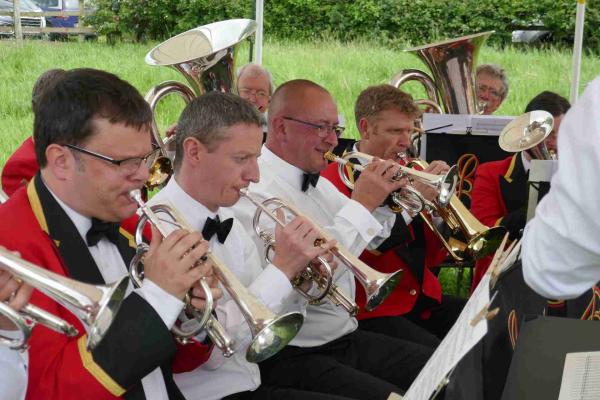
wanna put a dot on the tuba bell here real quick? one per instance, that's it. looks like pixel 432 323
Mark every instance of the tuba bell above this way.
pixel 94 305
pixel 528 133
pixel 451 84
pixel 205 56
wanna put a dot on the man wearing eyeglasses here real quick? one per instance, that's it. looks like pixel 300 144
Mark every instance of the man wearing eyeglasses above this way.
pixel 491 87
pixel 329 355
pixel 67 220
pixel 255 84
pixel 416 311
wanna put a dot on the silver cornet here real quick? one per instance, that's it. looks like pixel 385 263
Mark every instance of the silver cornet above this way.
pixel 377 285
pixel 94 305
pixel 270 333
pixel 406 198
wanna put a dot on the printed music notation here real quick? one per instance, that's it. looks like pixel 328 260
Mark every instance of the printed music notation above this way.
pixel 466 332
pixel 460 124
pixel 581 377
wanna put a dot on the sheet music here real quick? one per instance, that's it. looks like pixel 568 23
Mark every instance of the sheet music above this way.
pixel 482 125
pixel 581 377
pixel 462 337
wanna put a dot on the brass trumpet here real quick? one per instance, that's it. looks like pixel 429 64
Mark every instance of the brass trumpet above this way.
pixel 377 285
pixel 480 239
pixel 407 198
pixel 323 280
pixel 94 305
pixel 270 332
pixel 528 133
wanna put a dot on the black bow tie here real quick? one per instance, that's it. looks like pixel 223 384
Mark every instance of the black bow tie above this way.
pixel 212 226
pixel 100 229
pixel 309 179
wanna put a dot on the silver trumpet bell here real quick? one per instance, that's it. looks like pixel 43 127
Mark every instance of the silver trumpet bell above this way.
pixel 378 286
pixel 323 279
pixel 451 62
pixel 205 56
pixel 528 132
pixel 270 332
pixel 94 305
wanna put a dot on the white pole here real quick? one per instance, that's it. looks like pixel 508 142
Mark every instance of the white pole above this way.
pixel 258 43
pixel 577 45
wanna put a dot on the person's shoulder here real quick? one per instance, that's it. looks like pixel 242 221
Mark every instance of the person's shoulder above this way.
pixel 494 166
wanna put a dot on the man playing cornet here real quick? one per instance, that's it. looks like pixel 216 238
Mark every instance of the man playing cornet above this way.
pixel 92 142
pixel 329 355
pixel 219 139
pixel 416 311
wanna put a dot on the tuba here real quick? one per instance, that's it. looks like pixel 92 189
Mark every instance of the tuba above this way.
pixel 270 332
pixel 94 305
pixel 451 84
pixel 528 133
pixel 206 57
pixel 378 286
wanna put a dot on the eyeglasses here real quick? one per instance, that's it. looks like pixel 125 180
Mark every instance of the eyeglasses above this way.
pixel 127 165
pixel 322 130
pixel 259 94
pixel 493 92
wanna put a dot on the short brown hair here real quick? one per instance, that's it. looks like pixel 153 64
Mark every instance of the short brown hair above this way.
pixel 376 99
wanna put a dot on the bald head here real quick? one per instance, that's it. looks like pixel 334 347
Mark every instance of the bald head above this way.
pixel 301 120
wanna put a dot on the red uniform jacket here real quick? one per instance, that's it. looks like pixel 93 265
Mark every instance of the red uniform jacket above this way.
pixel 137 341
pixel 20 167
pixel 499 197
pixel 417 281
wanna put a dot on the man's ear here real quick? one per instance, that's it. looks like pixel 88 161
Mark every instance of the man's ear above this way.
pixel 364 128
pixel 277 128
pixel 60 161
pixel 193 150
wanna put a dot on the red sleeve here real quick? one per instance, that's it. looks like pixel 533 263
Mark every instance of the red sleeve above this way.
pixel 486 201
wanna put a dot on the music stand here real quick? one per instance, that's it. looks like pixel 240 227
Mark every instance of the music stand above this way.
pixel 537 365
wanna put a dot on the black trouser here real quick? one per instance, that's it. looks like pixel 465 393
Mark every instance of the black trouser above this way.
pixel 443 316
pixel 272 393
pixel 359 365
pixel 400 327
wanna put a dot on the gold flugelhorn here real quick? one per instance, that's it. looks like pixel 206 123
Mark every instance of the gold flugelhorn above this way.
pixel 270 332
pixel 443 184
pixel 480 240
pixel 94 305
pixel 378 286
pixel 323 279
pixel 528 132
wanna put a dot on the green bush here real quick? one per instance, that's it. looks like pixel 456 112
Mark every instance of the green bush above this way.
pixel 392 22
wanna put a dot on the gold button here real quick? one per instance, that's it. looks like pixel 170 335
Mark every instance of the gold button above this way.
pixel 412 292
pixel 371 231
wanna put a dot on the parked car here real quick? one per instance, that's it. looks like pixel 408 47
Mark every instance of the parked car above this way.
pixel 62 22
pixel 26 6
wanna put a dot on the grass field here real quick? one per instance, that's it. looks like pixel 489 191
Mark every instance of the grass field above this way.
pixel 345 69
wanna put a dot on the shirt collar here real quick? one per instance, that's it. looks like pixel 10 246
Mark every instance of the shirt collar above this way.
pixel 287 171
pixel 194 212
pixel 82 223
pixel 526 162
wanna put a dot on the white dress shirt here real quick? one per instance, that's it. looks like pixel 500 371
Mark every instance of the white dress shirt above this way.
pixel 561 245
pixel 219 376
pixel 13 372
pixel 352 225
pixel 112 267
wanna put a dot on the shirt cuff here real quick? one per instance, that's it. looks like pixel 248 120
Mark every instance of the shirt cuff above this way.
pixel 272 286
pixel 363 221
pixel 166 305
